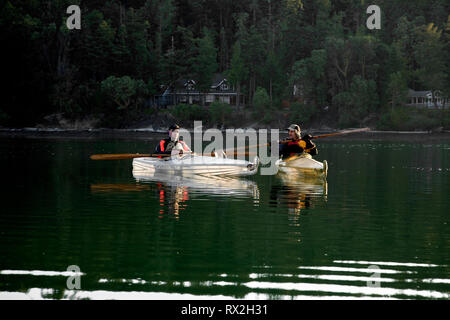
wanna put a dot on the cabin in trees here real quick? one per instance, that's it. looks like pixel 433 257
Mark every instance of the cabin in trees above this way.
pixel 185 91
pixel 424 99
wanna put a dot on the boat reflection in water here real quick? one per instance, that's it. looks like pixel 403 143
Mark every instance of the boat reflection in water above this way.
pixel 175 190
pixel 298 190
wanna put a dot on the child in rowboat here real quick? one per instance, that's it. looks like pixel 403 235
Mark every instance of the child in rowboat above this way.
pixel 295 144
pixel 172 144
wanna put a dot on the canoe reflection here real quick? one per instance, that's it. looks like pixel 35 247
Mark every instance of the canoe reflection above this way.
pixel 298 191
pixel 175 190
pixel 171 198
pixel 217 185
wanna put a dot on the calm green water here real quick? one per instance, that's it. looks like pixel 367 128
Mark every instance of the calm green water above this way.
pixel 264 237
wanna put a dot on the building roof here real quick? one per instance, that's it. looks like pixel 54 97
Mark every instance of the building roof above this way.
pixel 180 85
pixel 217 80
pixel 412 93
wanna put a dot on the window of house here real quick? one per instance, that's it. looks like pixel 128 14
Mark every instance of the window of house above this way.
pixel 225 99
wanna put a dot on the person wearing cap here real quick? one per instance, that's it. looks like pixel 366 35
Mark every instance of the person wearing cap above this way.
pixel 172 144
pixel 296 144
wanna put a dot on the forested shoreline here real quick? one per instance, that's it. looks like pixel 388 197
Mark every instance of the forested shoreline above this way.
pixel 311 62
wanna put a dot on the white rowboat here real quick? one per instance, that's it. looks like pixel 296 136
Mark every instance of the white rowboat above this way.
pixel 190 164
pixel 305 163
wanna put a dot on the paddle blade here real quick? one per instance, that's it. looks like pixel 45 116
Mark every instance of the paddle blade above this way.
pixel 354 130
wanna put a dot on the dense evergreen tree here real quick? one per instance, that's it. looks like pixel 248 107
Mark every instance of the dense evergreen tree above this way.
pixel 322 48
pixel 204 63
pixel 238 70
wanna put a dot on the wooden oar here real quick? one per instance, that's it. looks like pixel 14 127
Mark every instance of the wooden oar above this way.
pixel 314 137
pixel 122 156
pixel 340 132
pixel 334 134
pixel 125 156
pixel 146 155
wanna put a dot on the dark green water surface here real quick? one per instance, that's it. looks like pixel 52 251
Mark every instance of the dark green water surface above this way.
pixel 385 205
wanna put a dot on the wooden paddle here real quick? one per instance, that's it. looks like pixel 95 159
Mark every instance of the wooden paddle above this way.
pixel 334 134
pixel 314 137
pixel 121 156
pixel 124 156
pixel 340 132
pixel 147 155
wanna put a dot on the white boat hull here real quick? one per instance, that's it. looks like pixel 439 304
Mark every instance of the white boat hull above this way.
pixel 304 163
pixel 191 164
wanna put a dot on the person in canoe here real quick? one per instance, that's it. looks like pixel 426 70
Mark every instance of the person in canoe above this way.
pixel 172 144
pixel 295 144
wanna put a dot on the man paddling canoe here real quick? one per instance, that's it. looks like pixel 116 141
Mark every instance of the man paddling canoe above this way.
pixel 295 144
pixel 172 144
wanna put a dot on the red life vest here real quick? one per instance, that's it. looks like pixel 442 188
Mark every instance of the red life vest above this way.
pixel 163 142
pixel 161 145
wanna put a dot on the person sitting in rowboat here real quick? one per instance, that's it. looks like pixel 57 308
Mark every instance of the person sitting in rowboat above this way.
pixel 295 144
pixel 172 144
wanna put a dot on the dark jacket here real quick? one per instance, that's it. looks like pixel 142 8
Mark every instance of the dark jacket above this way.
pixel 292 147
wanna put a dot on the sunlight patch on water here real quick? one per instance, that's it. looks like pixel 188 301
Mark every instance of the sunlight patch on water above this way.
pixel 264 296
pixel 333 288
pixel 321 277
pixel 43 294
pixel 40 294
pixel 381 263
pixel 139 295
pixel 365 270
pixel 441 281
pixel 42 273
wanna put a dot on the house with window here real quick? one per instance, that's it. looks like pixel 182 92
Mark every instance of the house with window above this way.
pixel 185 91
pixel 424 99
